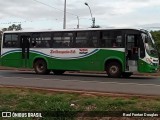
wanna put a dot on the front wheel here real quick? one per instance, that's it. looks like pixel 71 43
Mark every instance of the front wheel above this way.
pixel 40 67
pixel 114 69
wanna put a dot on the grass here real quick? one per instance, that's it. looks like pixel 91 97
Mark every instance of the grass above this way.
pixel 33 100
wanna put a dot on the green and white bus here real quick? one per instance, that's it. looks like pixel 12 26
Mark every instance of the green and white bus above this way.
pixel 119 52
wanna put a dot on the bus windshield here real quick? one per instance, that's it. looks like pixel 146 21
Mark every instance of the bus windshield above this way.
pixel 150 45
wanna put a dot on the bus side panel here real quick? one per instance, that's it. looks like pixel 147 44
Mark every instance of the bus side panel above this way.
pixel 11 58
pixel 94 62
pixel 86 63
pixel 115 54
pixel 144 67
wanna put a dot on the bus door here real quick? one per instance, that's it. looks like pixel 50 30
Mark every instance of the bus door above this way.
pixel 25 47
pixel 132 49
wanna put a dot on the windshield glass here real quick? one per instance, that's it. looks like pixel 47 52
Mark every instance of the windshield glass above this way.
pixel 150 44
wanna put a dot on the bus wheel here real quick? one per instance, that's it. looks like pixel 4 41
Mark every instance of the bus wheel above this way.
pixel 58 72
pixel 114 69
pixel 40 67
pixel 126 75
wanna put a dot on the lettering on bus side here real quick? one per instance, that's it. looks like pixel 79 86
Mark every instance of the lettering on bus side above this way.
pixel 83 51
pixel 62 51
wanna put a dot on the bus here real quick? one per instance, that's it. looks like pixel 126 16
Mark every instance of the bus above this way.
pixel 119 52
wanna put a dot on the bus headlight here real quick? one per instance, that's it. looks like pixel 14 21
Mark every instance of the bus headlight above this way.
pixel 149 61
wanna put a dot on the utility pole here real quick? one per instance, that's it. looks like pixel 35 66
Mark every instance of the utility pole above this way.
pixel 65 11
pixel 78 22
pixel 64 22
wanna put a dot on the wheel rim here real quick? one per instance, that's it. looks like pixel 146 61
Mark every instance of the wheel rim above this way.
pixel 40 67
pixel 113 69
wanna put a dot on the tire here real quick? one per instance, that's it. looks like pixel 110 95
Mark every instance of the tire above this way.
pixel 126 75
pixel 40 67
pixel 114 69
pixel 58 72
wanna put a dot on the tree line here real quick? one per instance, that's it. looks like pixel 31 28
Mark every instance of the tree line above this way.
pixel 156 37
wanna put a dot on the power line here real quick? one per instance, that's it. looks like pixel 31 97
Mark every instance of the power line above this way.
pixel 61 11
pixel 54 7
pixel 25 21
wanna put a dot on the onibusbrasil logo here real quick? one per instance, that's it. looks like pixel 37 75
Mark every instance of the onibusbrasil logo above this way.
pixel 21 115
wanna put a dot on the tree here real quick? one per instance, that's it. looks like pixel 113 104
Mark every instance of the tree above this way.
pixel 0 40
pixel 96 26
pixel 10 28
pixel 156 36
pixel 15 27
pixel 4 29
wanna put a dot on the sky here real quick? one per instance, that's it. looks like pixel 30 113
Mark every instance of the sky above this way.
pixel 48 14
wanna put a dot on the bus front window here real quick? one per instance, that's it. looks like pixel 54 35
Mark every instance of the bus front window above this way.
pixel 150 45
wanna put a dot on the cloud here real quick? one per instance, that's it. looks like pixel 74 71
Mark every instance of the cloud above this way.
pixel 107 12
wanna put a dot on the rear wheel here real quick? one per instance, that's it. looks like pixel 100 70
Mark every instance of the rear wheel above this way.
pixel 114 69
pixel 58 72
pixel 40 67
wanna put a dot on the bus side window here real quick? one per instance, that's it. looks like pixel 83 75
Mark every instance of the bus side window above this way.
pixel 142 49
pixel 119 41
pixel 7 41
pixel 111 38
pixel 114 44
pixel 105 40
pixel 62 40
pixel 46 40
pixel 41 40
pixel 102 42
pixel 81 39
pixel 10 41
pixel 132 46
pixel 67 39
pixel 57 40
pixel 34 43
pixel 93 39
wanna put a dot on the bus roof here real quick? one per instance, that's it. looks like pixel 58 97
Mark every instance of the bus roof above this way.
pixel 67 30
